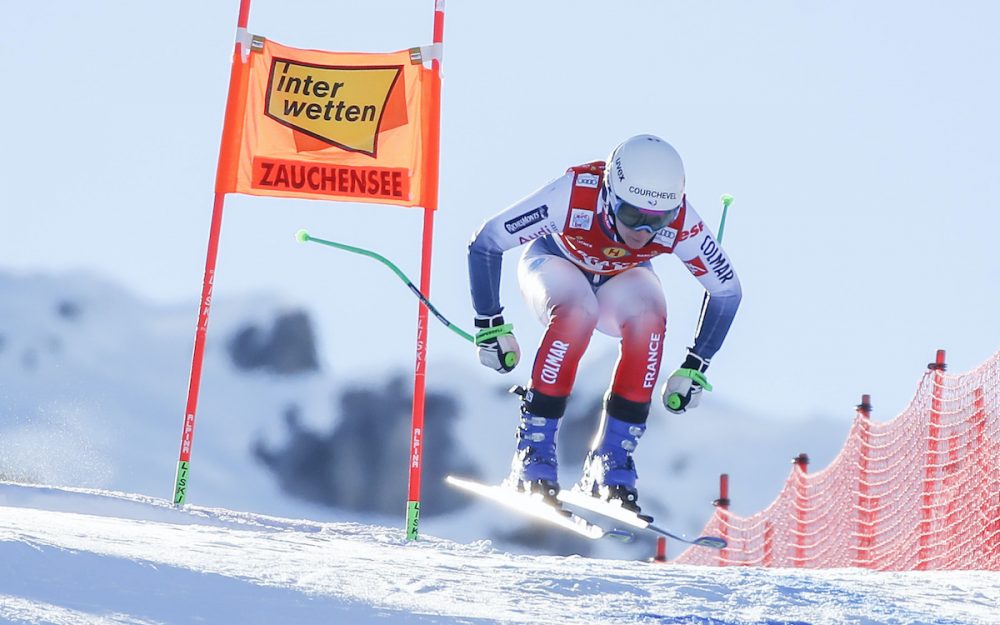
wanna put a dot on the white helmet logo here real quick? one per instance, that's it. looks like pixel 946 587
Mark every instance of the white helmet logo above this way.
pixel 644 170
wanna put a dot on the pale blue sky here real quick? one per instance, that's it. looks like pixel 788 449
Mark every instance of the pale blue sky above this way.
pixel 858 138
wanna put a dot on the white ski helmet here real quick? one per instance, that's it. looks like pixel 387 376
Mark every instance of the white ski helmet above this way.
pixel 645 182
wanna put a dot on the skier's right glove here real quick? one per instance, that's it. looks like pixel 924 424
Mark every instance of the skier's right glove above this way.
pixel 495 341
pixel 683 388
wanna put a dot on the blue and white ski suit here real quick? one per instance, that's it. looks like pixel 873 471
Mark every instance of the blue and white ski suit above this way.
pixel 578 275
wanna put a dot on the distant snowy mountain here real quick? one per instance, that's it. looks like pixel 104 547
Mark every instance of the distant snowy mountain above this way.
pixel 95 380
pixel 99 558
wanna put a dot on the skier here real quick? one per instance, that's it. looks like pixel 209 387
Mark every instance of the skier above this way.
pixel 592 233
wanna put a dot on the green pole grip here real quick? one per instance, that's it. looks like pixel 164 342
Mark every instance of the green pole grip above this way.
pixel 674 401
pixel 726 201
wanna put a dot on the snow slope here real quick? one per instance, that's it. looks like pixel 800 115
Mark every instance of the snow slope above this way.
pixel 75 556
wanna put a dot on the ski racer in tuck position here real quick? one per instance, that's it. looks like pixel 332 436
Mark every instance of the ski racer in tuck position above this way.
pixel 592 233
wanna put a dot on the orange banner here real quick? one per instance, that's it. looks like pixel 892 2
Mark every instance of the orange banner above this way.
pixel 343 126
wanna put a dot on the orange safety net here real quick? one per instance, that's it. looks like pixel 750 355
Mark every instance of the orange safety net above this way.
pixel 921 492
pixel 345 126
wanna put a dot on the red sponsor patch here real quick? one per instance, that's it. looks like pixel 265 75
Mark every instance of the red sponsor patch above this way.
pixel 696 267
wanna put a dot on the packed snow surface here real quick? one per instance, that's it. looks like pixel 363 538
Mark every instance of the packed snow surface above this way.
pixel 70 556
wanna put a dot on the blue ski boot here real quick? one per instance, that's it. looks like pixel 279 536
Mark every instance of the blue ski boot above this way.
pixel 609 471
pixel 534 467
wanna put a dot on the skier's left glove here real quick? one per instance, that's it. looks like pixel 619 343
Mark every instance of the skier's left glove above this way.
pixel 683 388
pixel 495 341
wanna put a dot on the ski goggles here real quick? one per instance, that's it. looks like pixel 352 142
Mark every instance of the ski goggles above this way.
pixel 636 218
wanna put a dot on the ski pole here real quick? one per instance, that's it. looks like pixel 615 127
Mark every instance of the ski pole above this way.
pixel 674 400
pixel 302 236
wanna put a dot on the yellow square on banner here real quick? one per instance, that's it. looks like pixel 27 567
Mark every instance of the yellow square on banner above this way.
pixel 327 125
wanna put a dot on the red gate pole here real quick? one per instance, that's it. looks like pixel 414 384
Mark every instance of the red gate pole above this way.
pixel 722 505
pixel 430 205
pixel 931 462
pixel 237 78
pixel 661 550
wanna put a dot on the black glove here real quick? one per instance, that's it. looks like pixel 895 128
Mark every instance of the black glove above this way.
pixel 683 388
pixel 497 346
